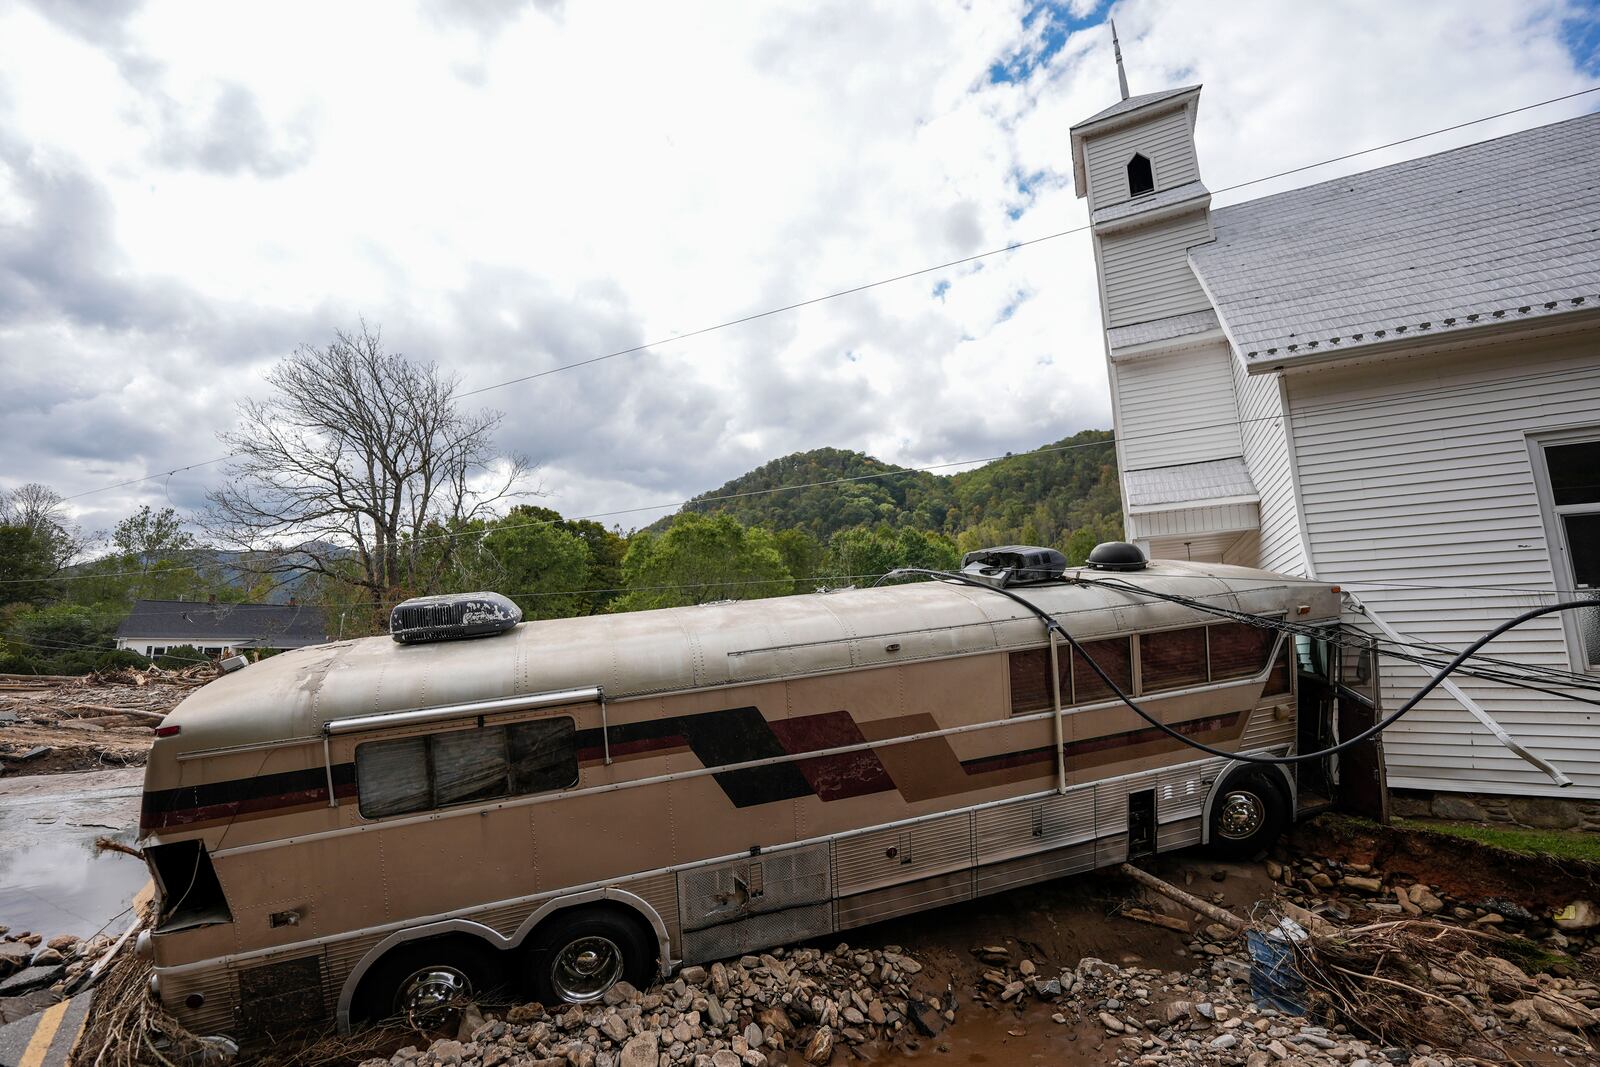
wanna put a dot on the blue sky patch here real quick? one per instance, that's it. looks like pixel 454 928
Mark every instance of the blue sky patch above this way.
pixel 1581 35
pixel 1046 26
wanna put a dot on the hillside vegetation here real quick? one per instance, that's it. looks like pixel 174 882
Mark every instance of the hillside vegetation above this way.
pixel 1063 495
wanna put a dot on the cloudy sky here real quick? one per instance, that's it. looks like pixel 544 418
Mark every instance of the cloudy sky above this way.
pixel 187 191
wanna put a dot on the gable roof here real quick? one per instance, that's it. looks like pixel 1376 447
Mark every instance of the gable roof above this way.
pixel 1120 114
pixel 1133 103
pixel 1497 231
pixel 274 625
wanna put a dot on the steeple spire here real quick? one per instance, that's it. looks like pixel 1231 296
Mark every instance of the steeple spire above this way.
pixel 1116 46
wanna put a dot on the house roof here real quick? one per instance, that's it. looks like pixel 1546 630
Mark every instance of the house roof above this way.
pixel 1209 481
pixel 1493 232
pixel 1133 103
pixel 186 621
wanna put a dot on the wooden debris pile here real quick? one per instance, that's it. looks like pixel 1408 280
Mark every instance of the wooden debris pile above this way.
pixel 51 723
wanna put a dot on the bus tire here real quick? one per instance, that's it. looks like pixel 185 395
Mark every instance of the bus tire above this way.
pixel 1249 812
pixel 427 983
pixel 579 953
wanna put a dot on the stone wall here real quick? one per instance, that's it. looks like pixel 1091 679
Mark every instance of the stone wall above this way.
pixel 1534 813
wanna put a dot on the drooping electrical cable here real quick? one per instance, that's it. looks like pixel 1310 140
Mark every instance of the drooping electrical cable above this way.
pixel 1054 625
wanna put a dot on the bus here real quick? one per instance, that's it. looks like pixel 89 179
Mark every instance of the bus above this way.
pixel 394 825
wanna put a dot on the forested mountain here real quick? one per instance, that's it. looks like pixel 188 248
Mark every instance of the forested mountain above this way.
pixel 1064 491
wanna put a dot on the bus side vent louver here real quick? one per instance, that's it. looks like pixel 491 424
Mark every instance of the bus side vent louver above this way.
pixel 452 617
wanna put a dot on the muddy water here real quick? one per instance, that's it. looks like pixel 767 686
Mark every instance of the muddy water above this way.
pixel 52 879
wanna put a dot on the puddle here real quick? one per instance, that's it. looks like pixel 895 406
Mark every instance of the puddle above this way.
pixel 52 880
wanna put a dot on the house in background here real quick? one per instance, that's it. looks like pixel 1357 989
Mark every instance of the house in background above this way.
pixel 1388 381
pixel 154 626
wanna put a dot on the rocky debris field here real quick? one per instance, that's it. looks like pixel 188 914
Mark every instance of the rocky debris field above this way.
pixel 35 972
pixel 806 1005
pixel 52 725
pixel 1387 970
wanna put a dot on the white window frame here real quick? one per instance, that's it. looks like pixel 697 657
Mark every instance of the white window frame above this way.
pixel 1555 532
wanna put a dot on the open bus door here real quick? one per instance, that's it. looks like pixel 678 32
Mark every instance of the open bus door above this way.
pixel 1360 784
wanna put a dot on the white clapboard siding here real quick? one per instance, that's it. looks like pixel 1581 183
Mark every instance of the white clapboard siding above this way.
pixel 1177 409
pixel 1167 142
pixel 1417 473
pixel 1277 546
pixel 1146 270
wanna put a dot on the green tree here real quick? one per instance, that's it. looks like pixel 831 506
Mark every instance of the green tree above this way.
pixel 802 555
pixel 541 567
pixel 701 558
pixel 865 553
pixel 59 639
pixel 25 566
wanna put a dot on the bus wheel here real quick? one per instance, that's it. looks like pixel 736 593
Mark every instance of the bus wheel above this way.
pixel 1249 812
pixel 427 985
pixel 580 953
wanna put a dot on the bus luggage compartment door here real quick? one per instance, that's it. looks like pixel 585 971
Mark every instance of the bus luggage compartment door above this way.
pixel 729 908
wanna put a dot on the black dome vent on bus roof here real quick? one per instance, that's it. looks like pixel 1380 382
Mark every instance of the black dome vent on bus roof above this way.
pixel 1014 564
pixel 1117 556
pixel 451 617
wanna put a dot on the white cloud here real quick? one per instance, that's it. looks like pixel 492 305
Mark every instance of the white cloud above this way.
pixel 187 193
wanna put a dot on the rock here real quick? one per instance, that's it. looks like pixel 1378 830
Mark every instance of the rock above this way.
pixel 1455 806
pixel 1545 813
pixel 779 1020
pixel 1111 1023
pixel 1571 1016
pixel 13 957
pixel 471 1019
pixel 644 1050
pixel 525 1013
pixel 1027 968
pixel 63 943
pixel 1227 1040
pixel 716 1013
pixel 1012 991
pixel 1361 883
pixel 1274 869
pixel 1577 916
pixel 993 954
pixel 820 1048
pixel 621 993
pixel 929 1020
pixel 31 978
pixel 695 976
pixel 615 1028
pixel 447 1051
pixel 1322 881
pixel 1178 1011
pixel 724 1058
pixel 754 1036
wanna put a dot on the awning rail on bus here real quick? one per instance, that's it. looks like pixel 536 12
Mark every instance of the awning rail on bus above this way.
pixel 469 709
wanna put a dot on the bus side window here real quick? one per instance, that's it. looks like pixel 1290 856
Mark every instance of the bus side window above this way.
pixel 1239 650
pixel 1030 680
pixel 1172 659
pixel 544 755
pixel 392 777
pixel 462 766
pixel 1280 683
pixel 1112 656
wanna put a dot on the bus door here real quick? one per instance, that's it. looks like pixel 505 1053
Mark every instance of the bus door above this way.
pixel 1361 785
pixel 1314 688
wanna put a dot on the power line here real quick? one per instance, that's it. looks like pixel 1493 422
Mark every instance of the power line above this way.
pixel 905 276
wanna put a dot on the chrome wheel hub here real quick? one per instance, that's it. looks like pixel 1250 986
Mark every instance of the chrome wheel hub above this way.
pixel 586 968
pixel 1241 816
pixel 432 996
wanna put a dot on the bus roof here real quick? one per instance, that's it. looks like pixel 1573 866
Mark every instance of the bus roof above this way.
pixel 637 654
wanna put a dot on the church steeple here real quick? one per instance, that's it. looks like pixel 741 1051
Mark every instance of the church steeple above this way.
pixel 1116 46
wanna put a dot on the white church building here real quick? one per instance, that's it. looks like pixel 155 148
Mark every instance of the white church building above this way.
pixel 1388 381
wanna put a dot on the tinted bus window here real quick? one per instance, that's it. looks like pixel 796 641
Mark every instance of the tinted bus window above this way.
pixel 1113 656
pixel 1172 659
pixel 1030 679
pixel 463 766
pixel 1239 650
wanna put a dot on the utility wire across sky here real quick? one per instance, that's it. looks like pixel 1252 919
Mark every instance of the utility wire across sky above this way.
pixel 906 276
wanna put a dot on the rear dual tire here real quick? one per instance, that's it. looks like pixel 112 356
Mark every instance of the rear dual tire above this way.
pixel 1250 811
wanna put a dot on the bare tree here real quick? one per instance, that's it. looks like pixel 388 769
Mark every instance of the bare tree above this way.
pixel 358 467
pixel 40 509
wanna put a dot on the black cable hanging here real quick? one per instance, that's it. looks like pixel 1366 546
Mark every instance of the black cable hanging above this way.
pixel 1376 728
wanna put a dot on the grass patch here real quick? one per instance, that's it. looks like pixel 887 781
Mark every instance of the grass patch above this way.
pixel 1557 844
pixel 1533 958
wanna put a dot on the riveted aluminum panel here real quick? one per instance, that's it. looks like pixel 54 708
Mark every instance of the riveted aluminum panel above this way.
pixel 1012 830
pixel 758 931
pixel 899 854
pixel 1039 867
pixel 903 899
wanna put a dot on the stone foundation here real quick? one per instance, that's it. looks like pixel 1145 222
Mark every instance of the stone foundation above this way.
pixel 1533 813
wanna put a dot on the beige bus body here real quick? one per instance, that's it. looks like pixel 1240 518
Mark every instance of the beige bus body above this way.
pixel 741 774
